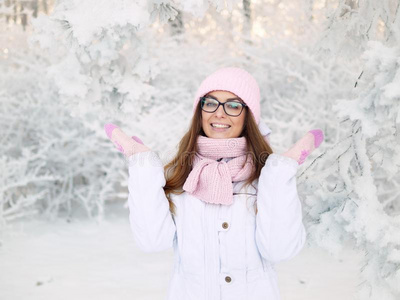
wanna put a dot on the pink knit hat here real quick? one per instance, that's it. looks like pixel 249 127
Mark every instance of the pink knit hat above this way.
pixel 236 81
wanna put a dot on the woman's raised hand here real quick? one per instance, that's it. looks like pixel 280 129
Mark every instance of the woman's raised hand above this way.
pixel 307 144
pixel 127 145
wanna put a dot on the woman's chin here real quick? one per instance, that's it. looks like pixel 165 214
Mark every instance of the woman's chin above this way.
pixel 218 135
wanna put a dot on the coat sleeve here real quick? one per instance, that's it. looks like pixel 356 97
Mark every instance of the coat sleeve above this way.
pixel 151 221
pixel 280 233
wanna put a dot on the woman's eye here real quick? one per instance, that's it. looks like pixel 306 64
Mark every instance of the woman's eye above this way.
pixel 234 105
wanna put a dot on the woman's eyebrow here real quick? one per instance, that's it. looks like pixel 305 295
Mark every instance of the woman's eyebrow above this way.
pixel 236 98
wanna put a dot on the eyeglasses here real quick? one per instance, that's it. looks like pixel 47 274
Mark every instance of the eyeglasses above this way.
pixel 231 108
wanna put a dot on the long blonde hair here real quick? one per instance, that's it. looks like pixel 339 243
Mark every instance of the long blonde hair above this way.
pixel 178 169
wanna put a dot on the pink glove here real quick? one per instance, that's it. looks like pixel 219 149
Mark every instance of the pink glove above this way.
pixel 307 144
pixel 125 144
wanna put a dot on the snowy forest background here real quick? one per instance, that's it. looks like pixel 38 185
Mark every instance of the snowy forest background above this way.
pixel 68 67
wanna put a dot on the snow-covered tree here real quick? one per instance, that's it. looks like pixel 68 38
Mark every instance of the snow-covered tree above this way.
pixel 344 202
pixel 350 24
pixel 355 197
pixel 51 163
pixel 108 62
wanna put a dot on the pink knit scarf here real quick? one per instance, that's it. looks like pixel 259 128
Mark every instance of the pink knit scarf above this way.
pixel 211 180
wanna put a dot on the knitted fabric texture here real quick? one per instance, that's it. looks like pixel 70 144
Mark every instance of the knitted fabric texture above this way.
pixel 211 180
pixel 307 144
pixel 234 80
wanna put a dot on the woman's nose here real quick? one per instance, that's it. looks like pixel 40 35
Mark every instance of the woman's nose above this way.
pixel 220 111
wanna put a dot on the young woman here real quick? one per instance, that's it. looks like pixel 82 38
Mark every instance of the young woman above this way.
pixel 226 203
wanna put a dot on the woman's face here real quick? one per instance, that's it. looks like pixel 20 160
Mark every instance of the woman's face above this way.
pixel 234 124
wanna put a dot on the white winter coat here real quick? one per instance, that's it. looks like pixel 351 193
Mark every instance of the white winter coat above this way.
pixel 221 252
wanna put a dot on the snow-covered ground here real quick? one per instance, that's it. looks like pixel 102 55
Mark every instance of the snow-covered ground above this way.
pixel 86 260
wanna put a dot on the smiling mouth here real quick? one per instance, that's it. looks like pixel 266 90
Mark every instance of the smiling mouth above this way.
pixel 220 126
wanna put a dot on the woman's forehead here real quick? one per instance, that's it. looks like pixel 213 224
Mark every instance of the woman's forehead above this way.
pixel 221 95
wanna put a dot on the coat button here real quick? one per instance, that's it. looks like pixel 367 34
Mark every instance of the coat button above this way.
pixel 228 279
pixel 225 225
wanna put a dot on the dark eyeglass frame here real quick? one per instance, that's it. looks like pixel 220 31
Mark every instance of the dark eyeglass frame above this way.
pixel 202 100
